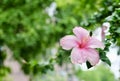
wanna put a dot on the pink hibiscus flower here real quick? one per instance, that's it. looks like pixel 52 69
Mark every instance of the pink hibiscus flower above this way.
pixel 83 46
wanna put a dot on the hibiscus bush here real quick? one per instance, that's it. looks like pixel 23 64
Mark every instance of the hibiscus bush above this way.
pixel 33 35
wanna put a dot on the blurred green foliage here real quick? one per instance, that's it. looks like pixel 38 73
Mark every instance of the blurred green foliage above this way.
pixel 31 34
pixel 3 69
pixel 100 73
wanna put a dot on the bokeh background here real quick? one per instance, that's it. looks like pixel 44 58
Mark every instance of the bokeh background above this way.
pixel 30 31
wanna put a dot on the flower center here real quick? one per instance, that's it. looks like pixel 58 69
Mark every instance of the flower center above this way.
pixel 83 42
pixel 81 46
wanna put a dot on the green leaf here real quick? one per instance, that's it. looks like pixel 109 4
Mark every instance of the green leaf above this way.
pixel 118 30
pixel 91 33
pixel 105 59
pixel 118 51
pixel 88 65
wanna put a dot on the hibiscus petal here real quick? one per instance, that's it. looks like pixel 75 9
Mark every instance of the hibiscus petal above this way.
pixel 80 32
pixel 94 43
pixel 68 42
pixel 92 56
pixel 78 56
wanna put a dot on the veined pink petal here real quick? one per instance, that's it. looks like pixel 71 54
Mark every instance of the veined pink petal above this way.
pixel 81 33
pixel 92 56
pixel 94 43
pixel 78 56
pixel 68 42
